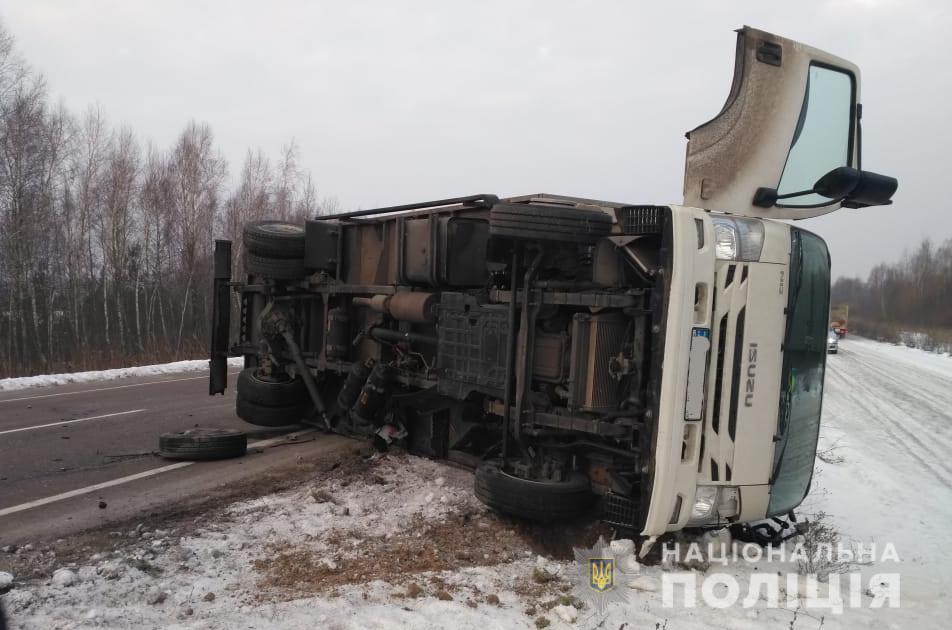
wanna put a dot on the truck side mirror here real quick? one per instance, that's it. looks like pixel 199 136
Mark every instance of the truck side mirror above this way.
pixel 853 187
pixel 872 189
pixel 838 183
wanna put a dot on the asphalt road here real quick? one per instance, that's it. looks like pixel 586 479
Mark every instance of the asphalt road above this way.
pixel 67 450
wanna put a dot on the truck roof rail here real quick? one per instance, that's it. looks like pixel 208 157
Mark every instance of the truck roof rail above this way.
pixel 484 201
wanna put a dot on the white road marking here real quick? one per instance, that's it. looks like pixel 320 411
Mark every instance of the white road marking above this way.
pixel 94 488
pixel 62 422
pixel 288 437
pixel 142 475
pixel 103 389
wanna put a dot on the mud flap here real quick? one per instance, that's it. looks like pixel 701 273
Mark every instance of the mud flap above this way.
pixel 221 319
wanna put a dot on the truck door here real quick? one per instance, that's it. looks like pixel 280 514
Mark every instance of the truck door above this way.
pixel 792 116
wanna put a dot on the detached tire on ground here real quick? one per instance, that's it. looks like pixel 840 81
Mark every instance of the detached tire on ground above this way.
pixel 548 223
pixel 281 391
pixel 264 416
pixel 274 239
pixel 275 268
pixel 203 444
pixel 540 501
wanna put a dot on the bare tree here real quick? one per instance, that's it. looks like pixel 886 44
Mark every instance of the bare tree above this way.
pixel 89 159
pixel 330 205
pixel 308 204
pixel 116 223
pixel 155 202
pixel 197 172
pixel 285 192
pixel 104 246
pixel 24 165
pixel 252 199
pixel 12 69
pixel 912 295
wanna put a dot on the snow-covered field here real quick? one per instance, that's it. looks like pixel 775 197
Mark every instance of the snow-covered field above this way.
pixel 46 380
pixel 399 542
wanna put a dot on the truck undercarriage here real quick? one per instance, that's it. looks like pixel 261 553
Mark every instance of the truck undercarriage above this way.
pixel 519 337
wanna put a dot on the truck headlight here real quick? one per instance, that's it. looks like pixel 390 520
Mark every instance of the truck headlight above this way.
pixel 705 500
pixel 738 238
pixel 713 504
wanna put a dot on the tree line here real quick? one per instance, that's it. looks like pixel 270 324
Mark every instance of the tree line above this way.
pixel 106 239
pixel 896 301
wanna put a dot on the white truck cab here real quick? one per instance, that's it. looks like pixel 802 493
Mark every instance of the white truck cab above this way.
pixel 745 345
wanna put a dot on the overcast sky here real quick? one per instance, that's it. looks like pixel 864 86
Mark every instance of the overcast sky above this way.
pixel 394 102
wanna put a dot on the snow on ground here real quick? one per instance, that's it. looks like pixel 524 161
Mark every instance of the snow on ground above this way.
pixel 47 380
pixel 887 413
pixel 400 542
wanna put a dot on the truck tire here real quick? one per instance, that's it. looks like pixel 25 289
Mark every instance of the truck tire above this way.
pixel 275 268
pixel 540 501
pixel 264 416
pixel 274 239
pixel 549 224
pixel 266 391
pixel 203 444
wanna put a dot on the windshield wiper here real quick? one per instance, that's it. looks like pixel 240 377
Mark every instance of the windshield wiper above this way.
pixel 782 433
pixel 798 283
pixel 783 422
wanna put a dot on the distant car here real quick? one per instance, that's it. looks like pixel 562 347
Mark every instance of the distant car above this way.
pixel 832 342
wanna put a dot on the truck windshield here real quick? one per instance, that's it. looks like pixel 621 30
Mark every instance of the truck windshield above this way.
pixel 804 361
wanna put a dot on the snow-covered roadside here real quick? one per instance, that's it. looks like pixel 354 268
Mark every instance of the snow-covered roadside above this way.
pixel 47 380
pixel 400 542
pixel 349 538
pixel 910 358
pixel 887 441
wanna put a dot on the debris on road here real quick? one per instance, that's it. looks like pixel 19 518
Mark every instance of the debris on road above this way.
pixel 202 443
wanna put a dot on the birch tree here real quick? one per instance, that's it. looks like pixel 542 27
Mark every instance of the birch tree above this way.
pixel 197 173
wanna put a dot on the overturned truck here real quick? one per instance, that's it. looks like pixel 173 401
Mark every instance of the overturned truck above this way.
pixel 659 365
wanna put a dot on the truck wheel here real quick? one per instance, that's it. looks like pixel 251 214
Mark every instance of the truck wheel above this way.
pixel 541 501
pixel 274 239
pixel 203 444
pixel 270 391
pixel 275 268
pixel 264 416
pixel 550 224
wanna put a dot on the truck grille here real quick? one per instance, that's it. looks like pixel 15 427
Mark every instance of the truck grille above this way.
pixel 641 219
pixel 618 511
pixel 725 381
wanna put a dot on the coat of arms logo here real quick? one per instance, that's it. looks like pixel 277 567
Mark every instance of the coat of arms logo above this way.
pixel 603 573
pixel 599 575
